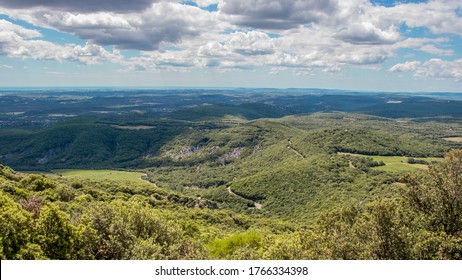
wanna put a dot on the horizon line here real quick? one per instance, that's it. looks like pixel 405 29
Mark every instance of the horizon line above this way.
pixel 49 88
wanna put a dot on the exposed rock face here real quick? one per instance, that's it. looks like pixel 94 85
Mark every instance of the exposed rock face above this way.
pixel 233 154
pixel 192 150
pixel 184 152
pixel 47 155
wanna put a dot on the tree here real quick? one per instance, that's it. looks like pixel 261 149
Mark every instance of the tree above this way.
pixel 15 230
pixel 438 194
pixel 55 234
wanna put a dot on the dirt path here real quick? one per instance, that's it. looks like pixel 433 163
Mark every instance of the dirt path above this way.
pixel 145 179
pixel 255 204
pixel 294 150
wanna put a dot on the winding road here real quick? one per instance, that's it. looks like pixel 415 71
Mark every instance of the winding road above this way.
pixel 256 204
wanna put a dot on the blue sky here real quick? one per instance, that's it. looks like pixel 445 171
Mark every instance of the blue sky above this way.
pixel 358 44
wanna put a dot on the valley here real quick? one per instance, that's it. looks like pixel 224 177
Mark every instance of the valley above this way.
pixel 232 174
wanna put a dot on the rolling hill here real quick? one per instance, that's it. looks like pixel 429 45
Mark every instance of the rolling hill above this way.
pixel 254 175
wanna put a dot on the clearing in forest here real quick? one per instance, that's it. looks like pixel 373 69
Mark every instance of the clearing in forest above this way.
pixel 399 163
pixel 113 175
pixel 454 139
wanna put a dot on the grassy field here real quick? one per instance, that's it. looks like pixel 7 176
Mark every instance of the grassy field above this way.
pixel 454 139
pixel 113 175
pixel 398 163
pixel 400 166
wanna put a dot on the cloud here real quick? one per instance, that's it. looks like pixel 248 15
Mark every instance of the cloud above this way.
pixel 13 29
pixel 435 68
pixel 224 51
pixel 250 43
pixel 162 22
pixel 81 5
pixel 435 46
pixel 439 16
pixel 406 67
pixel 301 35
pixel 253 49
pixel 368 33
pixel 94 54
pixel 17 41
pixel 276 14
pixel 432 49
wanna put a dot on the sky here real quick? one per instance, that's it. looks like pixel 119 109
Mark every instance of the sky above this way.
pixel 377 45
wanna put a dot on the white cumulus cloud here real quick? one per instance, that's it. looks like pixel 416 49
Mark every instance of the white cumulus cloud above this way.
pixel 17 41
pixel 435 68
pixel 302 35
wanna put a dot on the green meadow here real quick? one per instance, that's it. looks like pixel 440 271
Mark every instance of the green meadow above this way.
pixel 399 163
pixel 112 175
pixel 453 139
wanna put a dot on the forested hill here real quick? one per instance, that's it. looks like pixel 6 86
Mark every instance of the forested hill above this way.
pixel 264 161
pixel 137 143
pixel 236 174
pixel 46 218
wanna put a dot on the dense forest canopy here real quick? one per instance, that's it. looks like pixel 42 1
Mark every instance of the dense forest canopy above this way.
pixel 43 218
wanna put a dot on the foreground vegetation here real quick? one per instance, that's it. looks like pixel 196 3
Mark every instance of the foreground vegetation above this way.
pixel 43 218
